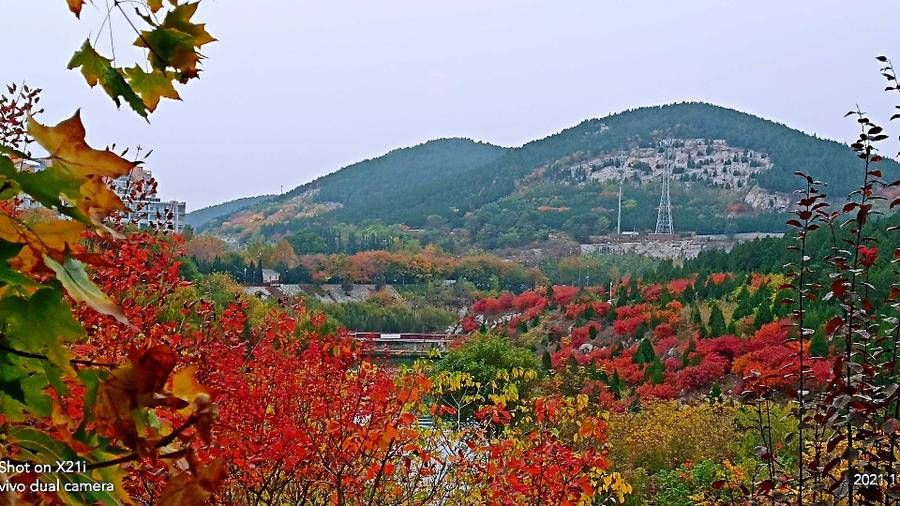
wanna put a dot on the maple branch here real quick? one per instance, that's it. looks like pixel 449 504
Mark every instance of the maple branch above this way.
pixel 175 433
pixel 113 462
pixel 140 35
pixel 74 361
pixel 161 443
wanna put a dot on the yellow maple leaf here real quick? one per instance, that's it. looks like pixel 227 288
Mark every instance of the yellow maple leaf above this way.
pixel 65 143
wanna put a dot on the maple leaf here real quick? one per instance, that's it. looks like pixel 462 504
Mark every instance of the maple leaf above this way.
pixel 98 69
pixel 170 47
pixel 132 387
pixel 9 276
pixel 60 234
pixel 151 86
pixel 65 143
pixel 54 187
pixel 79 286
pixel 188 490
pixel 180 19
pixel 175 41
pixel 154 5
pixel 75 6
pixel 56 327
pixel 184 385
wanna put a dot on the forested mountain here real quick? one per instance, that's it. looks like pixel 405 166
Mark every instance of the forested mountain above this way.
pixel 200 217
pixel 732 172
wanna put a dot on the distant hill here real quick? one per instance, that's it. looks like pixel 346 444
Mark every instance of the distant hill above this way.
pixel 200 217
pixel 732 172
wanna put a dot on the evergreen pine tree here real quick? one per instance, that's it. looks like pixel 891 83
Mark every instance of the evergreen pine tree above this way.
pixel 689 294
pixel 655 372
pixel 763 314
pixel 589 312
pixel 546 361
pixel 715 392
pixel 716 321
pixel 616 385
pixel 695 315
pixel 744 305
pixel 697 320
pixel 780 310
pixel 665 297
pixel 644 353
pixel 818 346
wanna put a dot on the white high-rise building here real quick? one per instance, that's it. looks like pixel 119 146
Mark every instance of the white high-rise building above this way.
pixel 137 190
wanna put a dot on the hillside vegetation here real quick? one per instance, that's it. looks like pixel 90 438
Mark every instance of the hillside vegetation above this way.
pixel 457 190
pixel 202 216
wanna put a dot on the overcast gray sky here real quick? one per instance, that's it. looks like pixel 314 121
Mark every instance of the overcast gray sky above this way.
pixel 297 89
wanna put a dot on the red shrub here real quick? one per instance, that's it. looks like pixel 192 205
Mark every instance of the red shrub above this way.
pixel 601 308
pixel 661 391
pixel 527 300
pixel 727 346
pixel 678 286
pixel 652 292
pixel 672 364
pixel 623 312
pixel 629 326
pixel 717 278
pixel 770 334
pixel 580 335
pixel 563 294
pixel 663 331
pixel 574 310
pixel 712 368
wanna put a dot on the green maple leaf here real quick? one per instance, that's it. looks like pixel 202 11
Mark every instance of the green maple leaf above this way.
pixel 39 446
pixel 51 186
pixel 179 18
pixel 151 86
pixel 175 42
pixel 170 47
pixel 79 286
pixel 40 324
pixel 98 69
pixel 8 275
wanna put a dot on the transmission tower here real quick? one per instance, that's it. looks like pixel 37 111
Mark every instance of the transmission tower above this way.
pixel 621 177
pixel 664 216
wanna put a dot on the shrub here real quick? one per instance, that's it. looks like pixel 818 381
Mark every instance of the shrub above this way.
pixel 663 435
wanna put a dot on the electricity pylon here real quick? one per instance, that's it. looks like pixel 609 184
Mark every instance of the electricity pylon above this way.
pixel 664 215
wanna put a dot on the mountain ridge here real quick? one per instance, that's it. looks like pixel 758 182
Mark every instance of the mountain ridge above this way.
pixel 454 179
